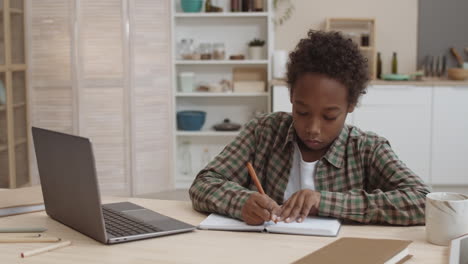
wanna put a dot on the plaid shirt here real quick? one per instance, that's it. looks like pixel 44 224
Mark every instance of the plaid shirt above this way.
pixel 360 178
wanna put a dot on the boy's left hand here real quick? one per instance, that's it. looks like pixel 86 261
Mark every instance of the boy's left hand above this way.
pixel 300 205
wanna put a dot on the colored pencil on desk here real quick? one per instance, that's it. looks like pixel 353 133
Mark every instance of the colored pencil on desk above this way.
pixel 17 235
pixel 22 229
pixel 45 249
pixel 29 239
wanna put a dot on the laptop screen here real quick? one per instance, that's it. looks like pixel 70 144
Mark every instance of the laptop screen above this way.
pixel 69 183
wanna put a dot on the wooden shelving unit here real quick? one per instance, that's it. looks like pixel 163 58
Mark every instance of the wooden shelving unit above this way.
pixel 355 28
pixel 14 123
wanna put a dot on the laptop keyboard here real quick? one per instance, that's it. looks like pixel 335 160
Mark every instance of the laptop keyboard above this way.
pixel 119 224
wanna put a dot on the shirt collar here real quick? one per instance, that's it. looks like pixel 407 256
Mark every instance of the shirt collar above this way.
pixel 336 152
pixel 290 136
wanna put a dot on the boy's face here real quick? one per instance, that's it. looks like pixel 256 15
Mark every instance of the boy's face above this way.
pixel 320 107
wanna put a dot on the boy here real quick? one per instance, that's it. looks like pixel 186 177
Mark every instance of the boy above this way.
pixel 309 162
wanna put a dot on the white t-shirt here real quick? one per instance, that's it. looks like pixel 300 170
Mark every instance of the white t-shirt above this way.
pixel 301 175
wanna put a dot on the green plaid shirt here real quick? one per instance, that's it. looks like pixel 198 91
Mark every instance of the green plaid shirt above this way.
pixel 360 178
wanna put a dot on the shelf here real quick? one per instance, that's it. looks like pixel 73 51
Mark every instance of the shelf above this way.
pixel 221 62
pixel 222 15
pixel 366 48
pixel 17 143
pixel 18 105
pixel 13 11
pixel 20 142
pixel 208 133
pixel 209 94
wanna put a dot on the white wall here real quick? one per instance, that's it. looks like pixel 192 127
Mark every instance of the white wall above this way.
pixel 396 25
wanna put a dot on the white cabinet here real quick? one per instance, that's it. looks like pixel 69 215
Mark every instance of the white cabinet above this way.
pixel 426 126
pixel 402 114
pixel 450 136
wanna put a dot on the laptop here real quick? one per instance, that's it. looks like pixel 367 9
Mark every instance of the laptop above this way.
pixel 71 194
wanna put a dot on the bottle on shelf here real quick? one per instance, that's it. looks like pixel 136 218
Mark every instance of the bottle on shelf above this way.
pixel 236 5
pixel 186 158
pixel 206 157
pixel 207 5
pixel 394 63
pixel 379 66
pixel 246 5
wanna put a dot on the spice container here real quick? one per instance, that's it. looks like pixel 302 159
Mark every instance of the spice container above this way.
pixel 205 51
pixel 219 52
pixel 258 5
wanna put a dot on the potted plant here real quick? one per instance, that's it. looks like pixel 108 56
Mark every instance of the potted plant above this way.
pixel 256 49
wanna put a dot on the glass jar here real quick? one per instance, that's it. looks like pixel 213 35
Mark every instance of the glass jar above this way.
pixel 205 51
pixel 219 52
pixel 186 49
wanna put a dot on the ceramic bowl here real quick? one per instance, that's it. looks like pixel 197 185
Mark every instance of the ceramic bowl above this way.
pixel 190 120
pixel 457 74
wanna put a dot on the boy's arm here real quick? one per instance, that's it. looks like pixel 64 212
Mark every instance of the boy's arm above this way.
pixel 397 196
pixel 220 186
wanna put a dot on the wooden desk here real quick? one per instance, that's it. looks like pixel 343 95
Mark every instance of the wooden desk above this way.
pixel 200 246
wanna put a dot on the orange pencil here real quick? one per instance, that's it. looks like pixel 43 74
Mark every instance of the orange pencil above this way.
pixel 253 175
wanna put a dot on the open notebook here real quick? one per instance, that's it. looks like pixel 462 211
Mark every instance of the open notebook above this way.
pixel 313 226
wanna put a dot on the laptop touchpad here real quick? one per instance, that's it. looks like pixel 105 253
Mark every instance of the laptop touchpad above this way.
pixel 145 215
pixel 158 220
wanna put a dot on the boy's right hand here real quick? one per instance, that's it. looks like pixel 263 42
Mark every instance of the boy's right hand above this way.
pixel 260 208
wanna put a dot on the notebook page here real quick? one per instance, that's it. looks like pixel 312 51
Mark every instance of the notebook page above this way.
pixel 219 222
pixel 310 226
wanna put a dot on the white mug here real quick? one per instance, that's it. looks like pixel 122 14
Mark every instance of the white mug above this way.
pixel 446 217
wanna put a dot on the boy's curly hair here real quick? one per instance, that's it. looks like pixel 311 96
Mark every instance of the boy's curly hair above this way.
pixel 331 54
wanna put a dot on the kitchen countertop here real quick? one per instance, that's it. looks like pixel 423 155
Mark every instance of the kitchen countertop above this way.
pixel 424 82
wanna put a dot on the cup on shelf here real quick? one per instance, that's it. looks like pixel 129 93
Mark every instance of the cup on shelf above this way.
pixel 186 82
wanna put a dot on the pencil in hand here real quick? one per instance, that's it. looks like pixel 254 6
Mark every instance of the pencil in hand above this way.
pixel 253 175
